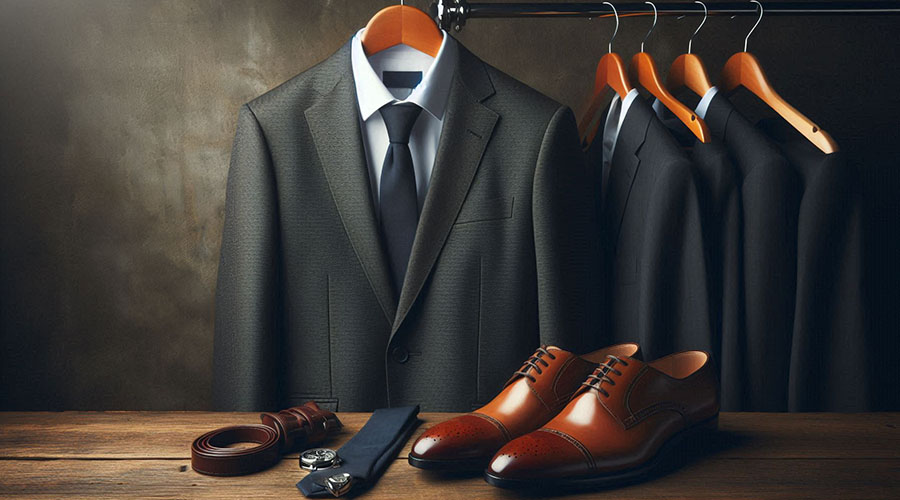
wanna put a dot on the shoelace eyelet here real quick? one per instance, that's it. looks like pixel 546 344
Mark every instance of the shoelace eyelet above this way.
pixel 532 362
pixel 602 372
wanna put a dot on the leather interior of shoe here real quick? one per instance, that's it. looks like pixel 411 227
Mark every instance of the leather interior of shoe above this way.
pixel 620 350
pixel 681 364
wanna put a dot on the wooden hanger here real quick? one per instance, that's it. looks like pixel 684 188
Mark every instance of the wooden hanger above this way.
pixel 645 69
pixel 688 71
pixel 610 74
pixel 744 70
pixel 402 24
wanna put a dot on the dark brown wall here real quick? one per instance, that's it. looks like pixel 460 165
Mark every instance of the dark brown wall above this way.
pixel 116 120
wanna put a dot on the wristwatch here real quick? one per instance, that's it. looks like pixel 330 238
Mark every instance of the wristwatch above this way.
pixel 319 458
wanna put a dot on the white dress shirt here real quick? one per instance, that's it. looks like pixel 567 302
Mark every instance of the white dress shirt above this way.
pixel 703 106
pixel 618 109
pixel 430 94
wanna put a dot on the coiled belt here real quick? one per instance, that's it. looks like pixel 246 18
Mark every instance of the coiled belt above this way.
pixel 283 432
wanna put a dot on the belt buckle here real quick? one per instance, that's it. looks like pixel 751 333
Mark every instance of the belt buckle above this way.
pixel 339 484
pixel 319 458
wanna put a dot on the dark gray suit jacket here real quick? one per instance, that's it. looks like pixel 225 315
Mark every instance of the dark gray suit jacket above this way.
pixel 756 362
pixel 718 191
pixel 503 258
pixel 655 283
pixel 829 328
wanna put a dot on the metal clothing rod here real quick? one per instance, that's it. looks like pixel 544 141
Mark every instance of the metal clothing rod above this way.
pixel 455 13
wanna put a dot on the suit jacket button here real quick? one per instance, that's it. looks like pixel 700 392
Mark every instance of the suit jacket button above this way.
pixel 400 355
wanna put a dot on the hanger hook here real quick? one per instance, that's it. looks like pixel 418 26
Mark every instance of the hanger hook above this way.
pixel 705 15
pixel 755 25
pixel 616 31
pixel 652 27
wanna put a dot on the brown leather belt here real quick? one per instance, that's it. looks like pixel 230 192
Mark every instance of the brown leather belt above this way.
pixel 283 432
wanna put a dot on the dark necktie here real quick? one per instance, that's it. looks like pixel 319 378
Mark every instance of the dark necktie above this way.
pixel 399 207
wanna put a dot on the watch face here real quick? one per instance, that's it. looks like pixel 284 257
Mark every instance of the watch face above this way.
pixel 319 458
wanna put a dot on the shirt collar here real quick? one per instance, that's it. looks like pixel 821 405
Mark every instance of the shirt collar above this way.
pixel 626 103
pixel 618 109
pixel 431 93
pixel 702 106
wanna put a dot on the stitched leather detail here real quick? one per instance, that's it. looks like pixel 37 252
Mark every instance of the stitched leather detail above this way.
pixel 538 396
pixel 630 389
pixel 641 415
pixel 608 410
pixel 494 421
pixel 564 400
pixel 559 374
pixel 637 417
pixel 584 451
pixel 625 400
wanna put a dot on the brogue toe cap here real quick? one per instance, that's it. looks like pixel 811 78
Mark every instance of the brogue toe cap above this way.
pixel 464 437
pixel 539 454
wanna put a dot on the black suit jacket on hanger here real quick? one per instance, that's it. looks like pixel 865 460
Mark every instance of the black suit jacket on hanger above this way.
pixel 503 258
pixel 655 283
pixel 829 330
pixel 718 190
pixel 756 362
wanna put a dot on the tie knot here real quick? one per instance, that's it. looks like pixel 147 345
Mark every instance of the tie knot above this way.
pixel 399 120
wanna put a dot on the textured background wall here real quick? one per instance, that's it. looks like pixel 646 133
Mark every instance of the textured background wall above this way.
pixel 116 120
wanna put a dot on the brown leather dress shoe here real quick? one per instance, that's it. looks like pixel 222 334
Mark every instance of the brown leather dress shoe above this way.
pixel 627 417
pixel 534 394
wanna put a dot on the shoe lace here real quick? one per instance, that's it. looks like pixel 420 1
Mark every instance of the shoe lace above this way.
pixel 601 374
pixel 533 363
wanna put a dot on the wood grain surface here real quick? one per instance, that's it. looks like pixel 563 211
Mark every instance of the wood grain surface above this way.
pixel 147 455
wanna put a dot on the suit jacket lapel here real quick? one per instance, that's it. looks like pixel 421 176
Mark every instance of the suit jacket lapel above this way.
pixel 334 124
pixel 718 115
pixel 625 163
pixel 466 131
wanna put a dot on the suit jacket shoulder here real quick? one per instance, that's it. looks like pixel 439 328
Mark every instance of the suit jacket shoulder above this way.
pixel 524 111
pixel 303 89
pixel 659 147
pixel 518 99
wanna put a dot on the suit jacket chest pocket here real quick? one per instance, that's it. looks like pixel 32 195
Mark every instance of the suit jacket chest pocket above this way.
pixel 490 209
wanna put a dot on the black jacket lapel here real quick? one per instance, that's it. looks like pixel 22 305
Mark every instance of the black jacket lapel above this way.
pixel 466 131
pixel 718 115
pixel 334 125
pixel 624 166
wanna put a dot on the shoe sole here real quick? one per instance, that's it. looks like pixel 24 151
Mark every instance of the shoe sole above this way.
pixel 635 474
pixel 464 465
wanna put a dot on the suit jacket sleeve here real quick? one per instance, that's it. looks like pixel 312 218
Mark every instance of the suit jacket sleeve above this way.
pixel 246 297
pixel 565 238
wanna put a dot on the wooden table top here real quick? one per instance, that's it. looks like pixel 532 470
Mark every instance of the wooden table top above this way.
pixel 147 454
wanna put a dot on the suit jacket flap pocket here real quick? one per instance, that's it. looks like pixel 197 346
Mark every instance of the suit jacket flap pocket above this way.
pixel 485 210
